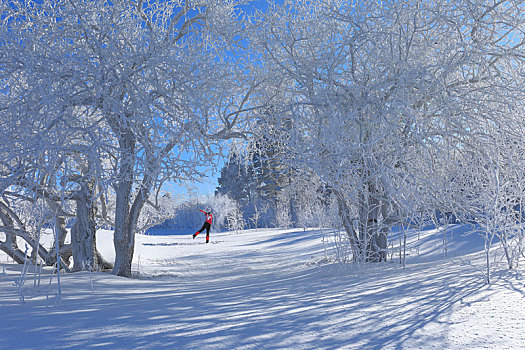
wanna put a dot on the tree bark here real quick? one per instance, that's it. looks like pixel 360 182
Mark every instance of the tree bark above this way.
pixel 9 246
pixel 83 232
pixel 124 238
pixel 370 242
pixel 127 216
pixel 65 250
pixel 347 224
pixel 376 233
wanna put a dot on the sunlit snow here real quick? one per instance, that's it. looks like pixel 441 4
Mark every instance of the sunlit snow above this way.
pixel 270 289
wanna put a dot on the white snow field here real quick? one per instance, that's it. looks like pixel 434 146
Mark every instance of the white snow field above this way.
pixel 270 289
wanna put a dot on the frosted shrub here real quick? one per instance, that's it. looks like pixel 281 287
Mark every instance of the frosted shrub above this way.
pixel 257 214
pixel 235 221
pixel 226 214
pixel 282 216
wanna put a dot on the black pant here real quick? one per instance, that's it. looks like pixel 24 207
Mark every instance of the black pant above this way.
pixel 206 226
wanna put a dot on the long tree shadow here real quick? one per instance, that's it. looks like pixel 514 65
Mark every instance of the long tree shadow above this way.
pixel 301 308
pixel 291 238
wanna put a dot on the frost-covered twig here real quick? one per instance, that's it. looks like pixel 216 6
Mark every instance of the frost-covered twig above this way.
pixel 20 281
pixel 479 269
pixel 3 274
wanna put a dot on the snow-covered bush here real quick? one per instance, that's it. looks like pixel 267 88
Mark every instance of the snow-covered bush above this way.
pixel 282 216
pixel 156 210
pixel 235 221
pixel 187 215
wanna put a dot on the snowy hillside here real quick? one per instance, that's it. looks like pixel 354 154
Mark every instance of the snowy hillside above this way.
pixel 270 289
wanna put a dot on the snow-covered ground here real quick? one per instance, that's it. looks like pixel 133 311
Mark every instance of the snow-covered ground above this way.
pixel 270 289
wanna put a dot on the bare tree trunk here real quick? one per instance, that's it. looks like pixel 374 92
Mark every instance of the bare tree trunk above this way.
pixel 83 232
pixel 373 233
pixel 103 264
pixel 10 247
pixel 60 229
pixel 65 250
pixel 344 214
pixel 370 242
pixel 42 252
pixel 506 248
pixel 123 236
pixel 126 216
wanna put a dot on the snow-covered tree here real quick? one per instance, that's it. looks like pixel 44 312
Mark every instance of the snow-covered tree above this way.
pixel 158 77
pixel 375 91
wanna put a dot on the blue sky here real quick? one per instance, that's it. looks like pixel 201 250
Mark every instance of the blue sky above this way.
pixel 259 4
pixel 205 188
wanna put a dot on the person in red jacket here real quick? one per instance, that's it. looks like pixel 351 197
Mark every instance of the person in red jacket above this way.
pixel 206 225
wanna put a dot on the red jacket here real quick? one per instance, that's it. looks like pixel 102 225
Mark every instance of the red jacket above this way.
pixel 209 217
